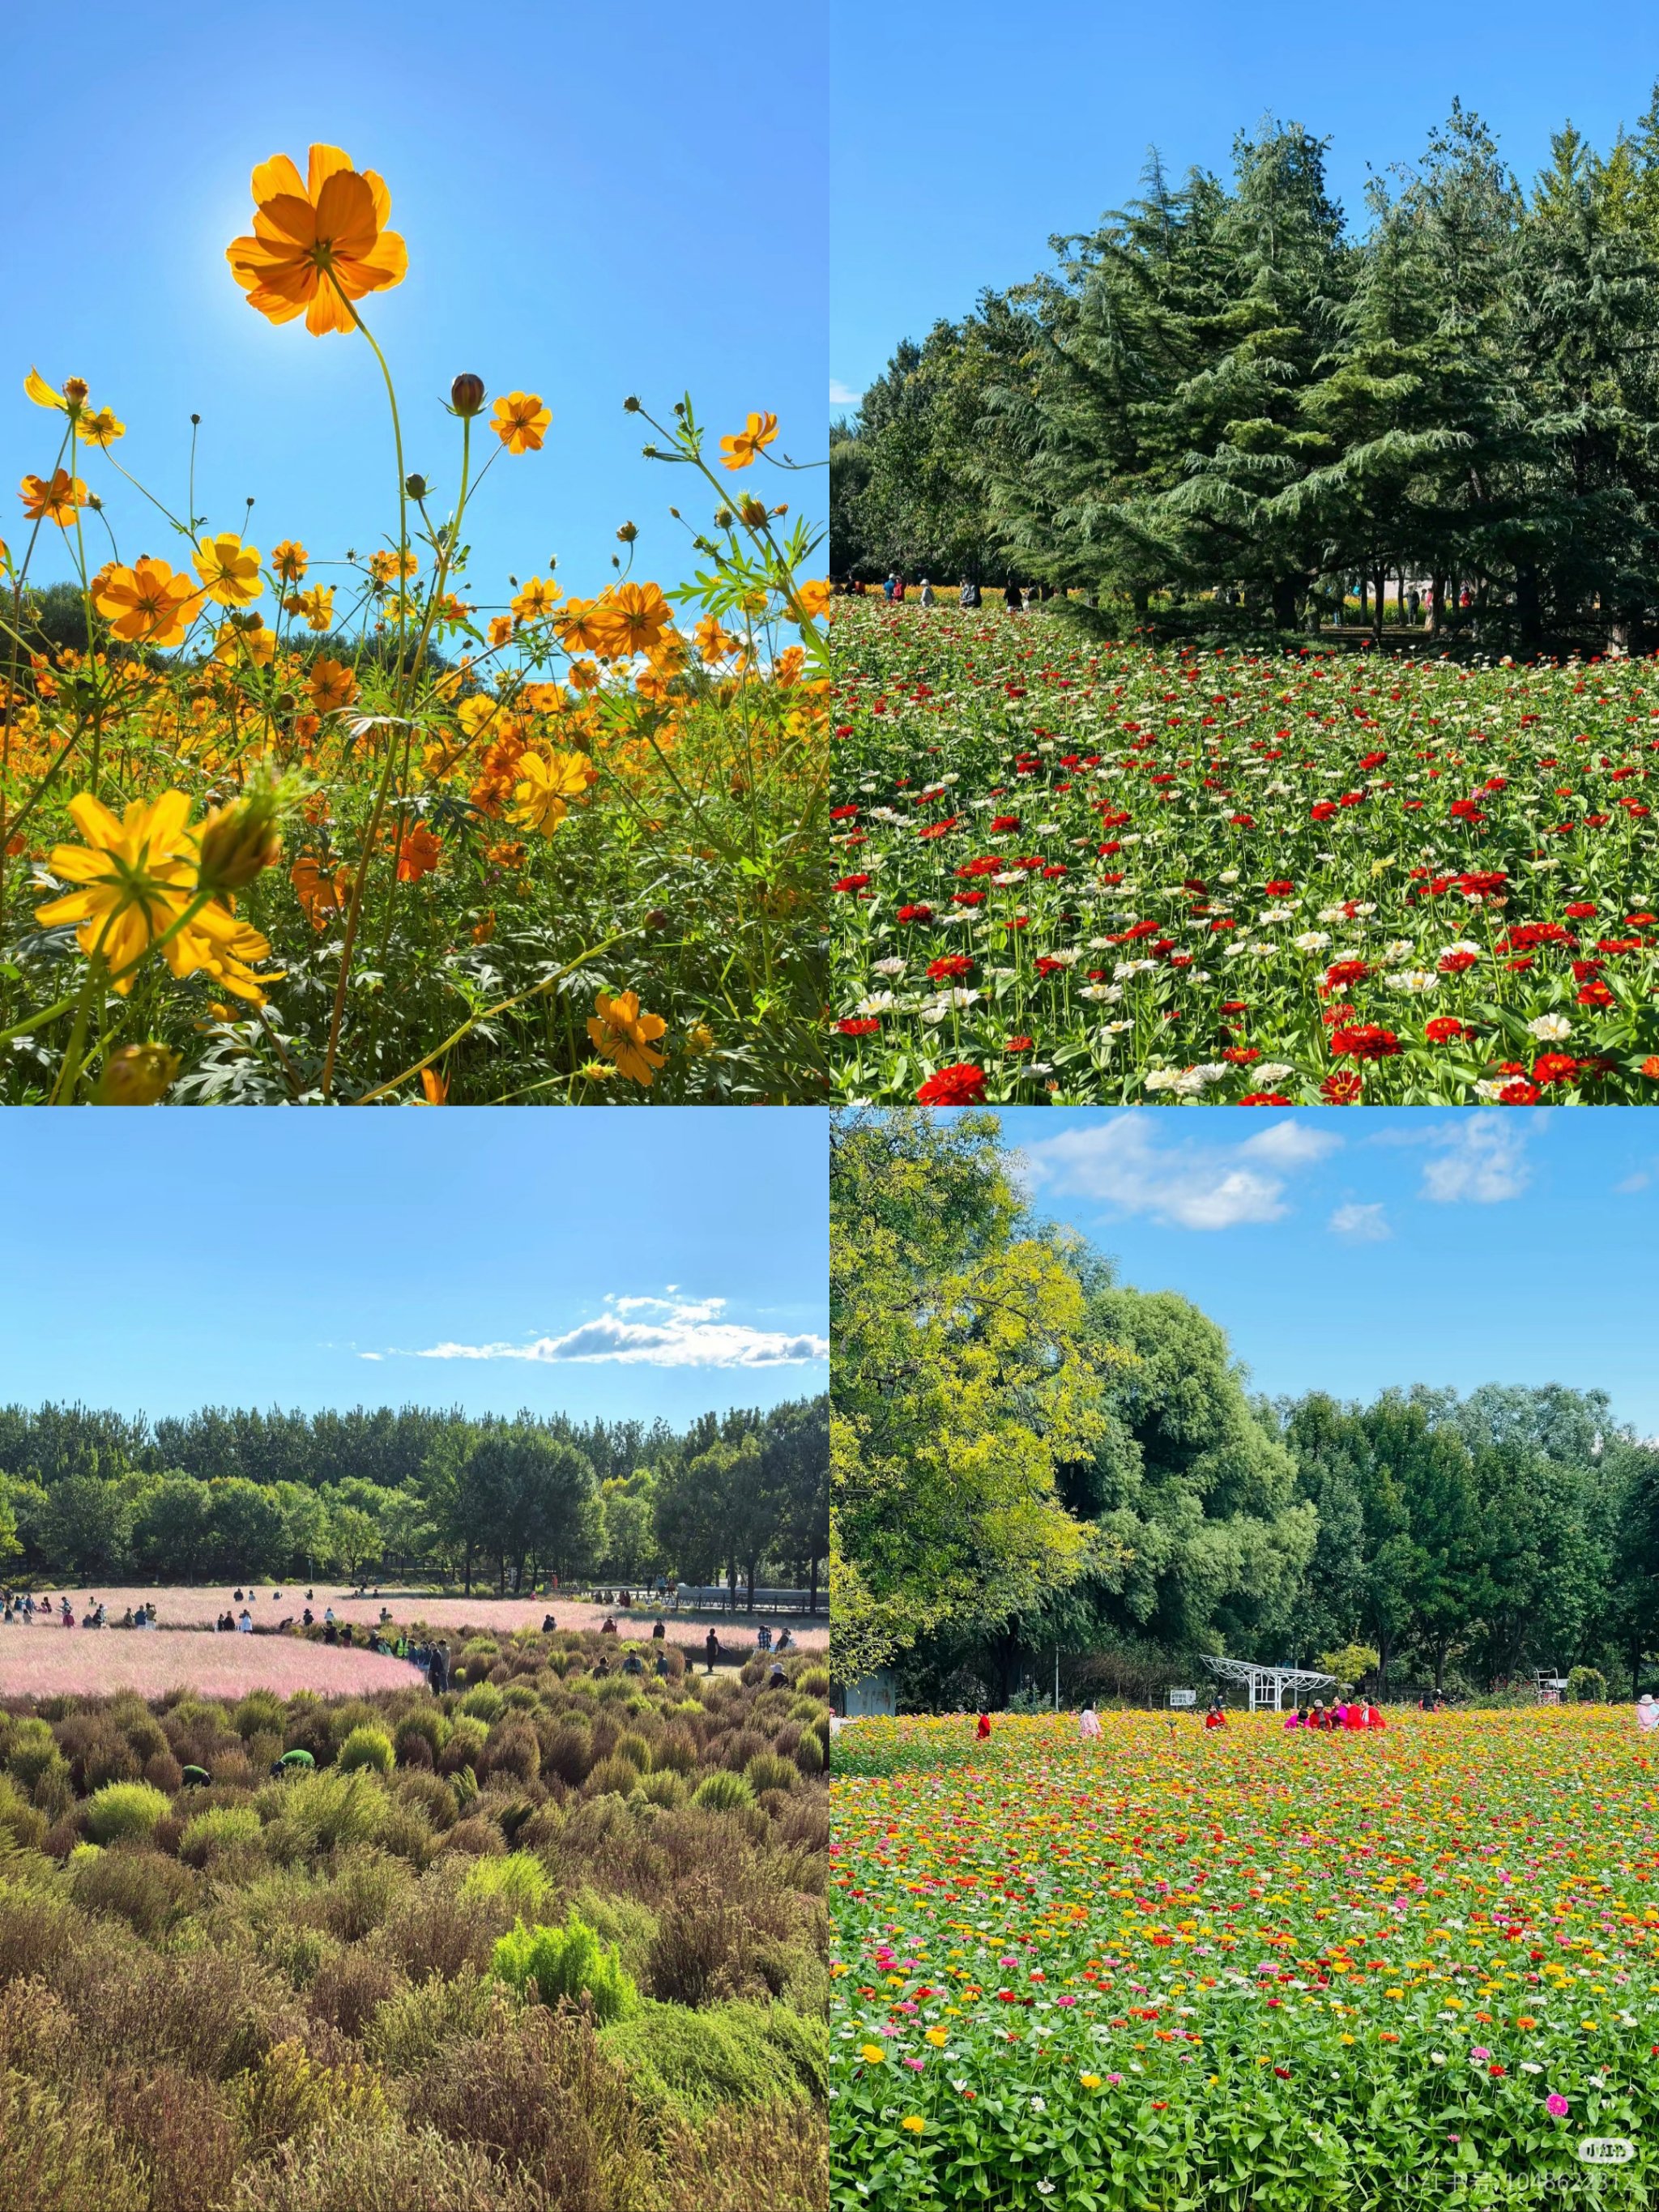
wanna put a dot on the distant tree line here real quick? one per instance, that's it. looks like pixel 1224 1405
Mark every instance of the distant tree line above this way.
pixel 92 1496
pixel 1032 1458
pixel 1223 392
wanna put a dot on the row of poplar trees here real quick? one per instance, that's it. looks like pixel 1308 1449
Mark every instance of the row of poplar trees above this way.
pixel 1226 392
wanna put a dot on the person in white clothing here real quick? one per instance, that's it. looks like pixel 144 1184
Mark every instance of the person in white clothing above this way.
pixel 1647 1713
pixel 1088 1722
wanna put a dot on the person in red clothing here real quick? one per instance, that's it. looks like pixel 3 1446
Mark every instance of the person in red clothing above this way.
pixel 1354 1717
pixel 1374 1718
pixel 984 1728
pixel 1318 1717
pixel 1215 1718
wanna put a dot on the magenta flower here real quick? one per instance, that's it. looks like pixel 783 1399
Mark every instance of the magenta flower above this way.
pixel 1556 2105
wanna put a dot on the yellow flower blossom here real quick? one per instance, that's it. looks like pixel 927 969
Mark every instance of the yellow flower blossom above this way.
pixel 626 1036
pixel 540 798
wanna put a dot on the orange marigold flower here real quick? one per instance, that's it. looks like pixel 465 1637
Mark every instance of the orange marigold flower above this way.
pixel 318 242
pixel 520 421
pixel 330 683
pixel 146 604
pixel 626 1036
pixel 418 853
pixel 289 561
pixel 55 501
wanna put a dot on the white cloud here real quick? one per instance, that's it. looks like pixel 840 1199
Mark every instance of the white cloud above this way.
pixel 842 395
pixel 1290 1144
pixel 1639 1180
pixel 1482 1160
pixel 653 1333
pixel 1363 1224
pixel 1185 1185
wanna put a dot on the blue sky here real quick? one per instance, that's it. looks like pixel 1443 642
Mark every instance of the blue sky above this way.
pixel 655 1263
pixel 1348 1250
pixel 594 204
pixel 964 136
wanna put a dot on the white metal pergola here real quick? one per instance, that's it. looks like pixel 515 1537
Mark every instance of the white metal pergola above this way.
pixel 1267 1684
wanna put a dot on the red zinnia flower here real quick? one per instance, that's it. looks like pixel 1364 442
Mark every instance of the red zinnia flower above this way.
pixel 1554 1067
pixel 948 966
pixel 853 883
pixel 1596 995
pixel 962 1084
pixel 859 1025
pixel 1366 1041
pixel 1442 1028
pixel 915 914
pixel 1519 1093
pixel 1341 1090
pixel 1264 1099
pixel 1020 1044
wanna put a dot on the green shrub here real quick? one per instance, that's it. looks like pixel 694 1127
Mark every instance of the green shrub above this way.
pixel 121 1809
pixel 519 1880
pixel 663 1788
pixel 678 2059
pixel 262 1712
pixel 813 1681
pixel 366 1747
pixel 809 1754
pixel 409 2030
pixel 634 1748
pixel 225 1828
pixel 722 1791
pixel 19 1819
pixel 1587 1685
pixel 769 1770
pixel 565 1963
pixel 325 1810
pixel 615 1774
pixel 484 1702
pixel 33 1751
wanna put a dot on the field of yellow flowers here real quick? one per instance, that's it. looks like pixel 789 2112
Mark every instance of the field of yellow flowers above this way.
pixel 277 827
pixel 1245 1968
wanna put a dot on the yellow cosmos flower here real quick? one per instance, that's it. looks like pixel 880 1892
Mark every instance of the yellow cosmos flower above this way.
pixel 536 599
pixel 813 598
pixel 625 1036
pixel 318 242
pixel 248 637
pixel 386 566
pixel 100 427
pixel 520 421
pixel 146 604
pixel 54 499
pixel 136 876
pixel 316 605
pixel 501 629
pixel 229 569
pixel 289 561
pixel 540 798
pixel 758 432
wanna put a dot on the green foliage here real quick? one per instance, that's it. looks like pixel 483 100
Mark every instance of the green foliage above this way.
pixel 122 1810
pixel 720 2054
pixel 1587 1685
pixel 519 1879
pixel 1349 1663
pixel 223 1828
pixel 723 1791
pixel 367 1746
pixel 564 1964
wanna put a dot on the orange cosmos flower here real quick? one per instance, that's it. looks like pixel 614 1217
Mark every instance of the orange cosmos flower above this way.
pixel 418 853
pixel 434 1087
pixel 146 604
pixel 633 618
pixel 54 501
pixel 319 893
pixel 580 627
pixel 229 569
pixel 385 567
pixel 520 421
pixel 536 599
pixel 813 597
pixel 625 1036
pixel 501 629
pixel 289 561
pixel 330 685
pixel 758 431
pixel 318 242
pixel 247 636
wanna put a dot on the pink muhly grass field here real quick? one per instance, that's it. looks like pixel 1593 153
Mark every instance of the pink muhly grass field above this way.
pixel 181 1607
pixel 46 1661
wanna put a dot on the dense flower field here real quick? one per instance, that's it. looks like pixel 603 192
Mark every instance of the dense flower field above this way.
pixel 50 1661
pixel 1245 1968
pixel 1105 874
pixel 283 824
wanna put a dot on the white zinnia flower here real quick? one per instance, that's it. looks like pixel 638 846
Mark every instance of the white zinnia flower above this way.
pixel 1312 940
pixel 1414 979
pixel 1550 1029
pixel 1272 1072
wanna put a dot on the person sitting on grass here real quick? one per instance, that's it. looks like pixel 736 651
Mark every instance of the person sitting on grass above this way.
pixel 786 1641
pixel 607 1626
pixel 661 1667
pixel 1374 1718
pixel 633 1664
pixel 547 1624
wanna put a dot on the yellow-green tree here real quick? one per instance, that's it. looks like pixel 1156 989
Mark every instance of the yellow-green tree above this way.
pixel 957 1386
